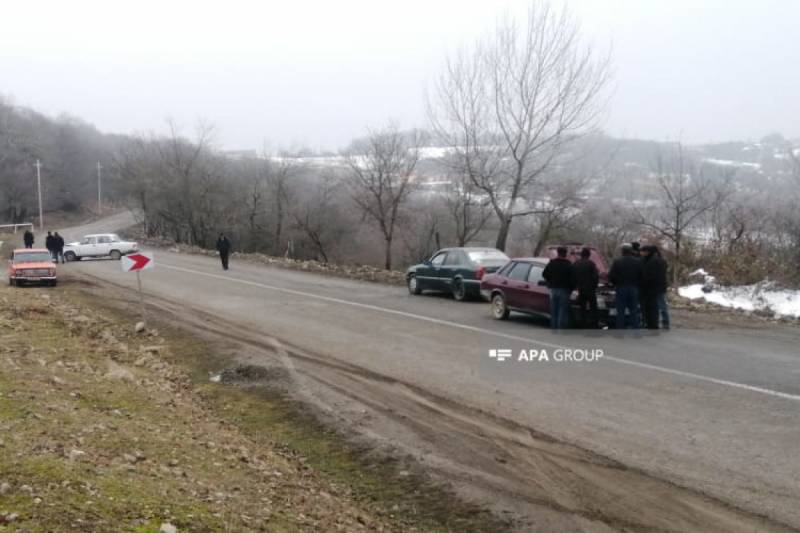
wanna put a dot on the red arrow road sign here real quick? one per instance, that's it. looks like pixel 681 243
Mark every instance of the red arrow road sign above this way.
pixel 137 261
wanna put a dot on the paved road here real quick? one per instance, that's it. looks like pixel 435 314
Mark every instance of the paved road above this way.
pixel 717 411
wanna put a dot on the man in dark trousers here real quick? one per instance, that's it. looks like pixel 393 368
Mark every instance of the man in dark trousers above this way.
pixel 560 279
pixel 224 249
pixel 50 244
pixel 58 242
pixel 654 282
pixel 626 276
pixel 587 278
pixel 28 238
pixel 661 286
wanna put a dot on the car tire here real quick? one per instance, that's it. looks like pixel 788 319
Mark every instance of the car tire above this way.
pixel 70 256
pixel 413 285
pixel 459 290
pixel 500 310
pixel 116 255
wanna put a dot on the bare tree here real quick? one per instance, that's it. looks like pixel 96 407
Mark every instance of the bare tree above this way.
pixel 560 203
pixel 510 104
pixel 686 193
pixel 381 172
pixel 468 208
pixel 318 217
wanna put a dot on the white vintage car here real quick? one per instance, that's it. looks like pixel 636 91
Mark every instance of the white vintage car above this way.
pixel 99 245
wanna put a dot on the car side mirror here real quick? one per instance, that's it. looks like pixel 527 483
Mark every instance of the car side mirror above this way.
pixel 427 262
pixel 542 283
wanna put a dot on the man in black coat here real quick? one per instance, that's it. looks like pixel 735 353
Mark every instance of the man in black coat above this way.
pixel 587 278
pixel 560 278
pixel 654 284
pixel 224 249
pixel 28 238
pixel 58 242
pixel 50 244
pixel 626 276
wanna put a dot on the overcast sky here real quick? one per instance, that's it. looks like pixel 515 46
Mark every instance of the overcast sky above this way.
pixel 317 73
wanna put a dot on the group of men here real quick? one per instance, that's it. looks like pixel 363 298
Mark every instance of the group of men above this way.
pixel 53 242
pixel 639 278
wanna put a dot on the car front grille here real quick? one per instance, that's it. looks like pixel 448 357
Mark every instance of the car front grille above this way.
pixel 35 272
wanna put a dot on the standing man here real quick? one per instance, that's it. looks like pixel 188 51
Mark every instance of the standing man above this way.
pixel 58 242
pixel 28 238
pixel 587 278
pixel 49 243
pixel 224 249
pixel 626 276
pixel 559 277
pixel 654 278
pixel 661 299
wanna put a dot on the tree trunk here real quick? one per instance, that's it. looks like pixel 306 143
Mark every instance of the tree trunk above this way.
pixel 388 261
pixel 502 234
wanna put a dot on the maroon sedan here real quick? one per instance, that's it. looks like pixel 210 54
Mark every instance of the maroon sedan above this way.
pixel 519 287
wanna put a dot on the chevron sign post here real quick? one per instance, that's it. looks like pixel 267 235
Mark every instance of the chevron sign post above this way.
pixel 136 263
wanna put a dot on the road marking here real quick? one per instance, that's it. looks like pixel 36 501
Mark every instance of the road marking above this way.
pixel 681 373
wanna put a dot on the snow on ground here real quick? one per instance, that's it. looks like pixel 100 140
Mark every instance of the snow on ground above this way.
pixel 764 296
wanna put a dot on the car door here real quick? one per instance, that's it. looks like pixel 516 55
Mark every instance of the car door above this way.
pixel 103 245
pixel 428 273
pixel 516 283
pixel 88 247
pixel 453 264
pixel 537 295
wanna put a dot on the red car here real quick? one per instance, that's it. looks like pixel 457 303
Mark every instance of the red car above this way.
pixel 31 266
pixel 519 287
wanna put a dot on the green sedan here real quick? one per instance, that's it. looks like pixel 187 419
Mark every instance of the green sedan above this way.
pixel 455 270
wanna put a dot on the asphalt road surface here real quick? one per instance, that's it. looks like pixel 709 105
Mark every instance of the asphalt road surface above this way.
pixel 690 429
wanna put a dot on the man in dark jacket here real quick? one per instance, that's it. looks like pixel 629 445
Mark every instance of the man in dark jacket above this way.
pixel 58 242
pixel 50 244
pixel 626 276
pixel 654 282
pixel 224 249
pixel 28 238
pixel 587 278
pixel 560 279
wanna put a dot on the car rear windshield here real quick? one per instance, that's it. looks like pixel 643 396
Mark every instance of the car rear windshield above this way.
pixel 32 257
pixel 487 257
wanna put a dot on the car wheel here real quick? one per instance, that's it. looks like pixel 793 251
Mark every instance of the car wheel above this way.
pixel 54 283
pixel 500 310
pixel 70 256
pixel 115 255
pixel 413 285
pixel 459 290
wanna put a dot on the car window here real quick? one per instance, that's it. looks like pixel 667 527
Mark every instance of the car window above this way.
pixel 535 275
pixel 453 258
pixel 487 257
pixel 504 270
pixel 105 239
pixel 114 238
pixel 438 259
pixel 89 240
pixel 32 257
pixel 519 271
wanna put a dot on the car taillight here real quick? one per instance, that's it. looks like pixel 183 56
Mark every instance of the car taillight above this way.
pixel 480 273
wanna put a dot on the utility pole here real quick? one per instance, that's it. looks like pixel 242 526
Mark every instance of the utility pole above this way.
pixel 39 186
pixel 99 191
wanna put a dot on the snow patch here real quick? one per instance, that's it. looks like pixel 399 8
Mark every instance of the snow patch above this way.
pixel 764 296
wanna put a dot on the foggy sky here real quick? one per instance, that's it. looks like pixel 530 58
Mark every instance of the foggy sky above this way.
pixel 317 73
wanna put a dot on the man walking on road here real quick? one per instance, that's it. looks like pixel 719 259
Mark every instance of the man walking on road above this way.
pixel 58 242
pixel 587 278
pixel 626 276
pixel 559 276
pixel 224 249
pixel 28 238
